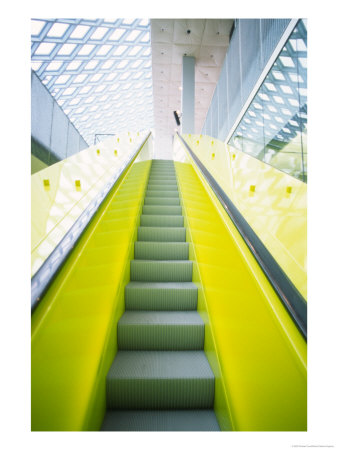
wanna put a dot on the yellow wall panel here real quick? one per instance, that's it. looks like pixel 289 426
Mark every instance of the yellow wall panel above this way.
pixel 256 352
pixel 273 202
pixel 74 327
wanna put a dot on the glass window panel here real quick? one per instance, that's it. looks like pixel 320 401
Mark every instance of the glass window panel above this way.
pixel 280 139
pixel 58 30
pixel 116 35
pixel 45 48
pixel 79 32
pixel 66 49
pixel 99 33
pixel 36 26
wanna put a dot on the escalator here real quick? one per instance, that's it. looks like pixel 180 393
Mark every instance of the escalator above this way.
pixel 160 379
pixel 160 319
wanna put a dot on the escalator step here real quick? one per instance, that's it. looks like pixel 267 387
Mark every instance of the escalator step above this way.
pixel 162 178
pixel 160 380
pixel 170 420
pixel 161 187
pixel 167 210
pixel 162 201
pixel 160 330
pixel 162 250
pixel 161 296
pixel 161 234
pixel 151 220
pixel 156 193
pixel 146 270
pixel 167 181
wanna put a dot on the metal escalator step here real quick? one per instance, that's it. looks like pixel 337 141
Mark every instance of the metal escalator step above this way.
pixel 161 234
pixel 162 178
pixel 160 330
pixel 178 296
pixel 166 210
pixel 161 187
pixel 146 270
pixel 165 420
pixel 161 250
pixel 156 193
pixel 172 181
pixel 162 201
pixel 160 380
pixel 167 172
pixel 151 220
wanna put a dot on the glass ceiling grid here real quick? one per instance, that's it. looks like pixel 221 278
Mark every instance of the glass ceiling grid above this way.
pixel 86 63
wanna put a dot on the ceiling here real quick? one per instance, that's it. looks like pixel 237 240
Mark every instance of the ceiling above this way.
pixel 98 71
pixel 205 39
pixel 115 75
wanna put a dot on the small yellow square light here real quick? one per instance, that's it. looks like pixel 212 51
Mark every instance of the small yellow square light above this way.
pixel 46 184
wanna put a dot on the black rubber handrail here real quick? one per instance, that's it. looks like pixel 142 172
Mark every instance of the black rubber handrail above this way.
pixel 42 279
pixel 291 298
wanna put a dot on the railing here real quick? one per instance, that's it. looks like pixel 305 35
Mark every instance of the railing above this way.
pixel 53 264
pixel 285 289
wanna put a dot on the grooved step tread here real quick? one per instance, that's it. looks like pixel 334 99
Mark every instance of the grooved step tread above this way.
pixel 161 318
pixel 148 270
pixel 153 220
pixel 161 250
pixel 172 420
pixel 161 187
pixel 164 296
pixel 158 210
pixel 160 365
pixel 161 178
pixel 167 194
pixel 160 379
pixel 168 201
pixel 160 330
pixel 155 181
pixel 161 234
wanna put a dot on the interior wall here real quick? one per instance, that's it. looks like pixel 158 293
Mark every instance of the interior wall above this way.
pixel 54 137
pixel 251 46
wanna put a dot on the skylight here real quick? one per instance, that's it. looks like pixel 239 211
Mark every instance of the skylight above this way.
pixel 79 31
pixel 36 27
pixel 86 49
pixel 99 33
pixel 112 55
pixel 116 35
pixel 45 48
pixel 66 49
pixel 58 30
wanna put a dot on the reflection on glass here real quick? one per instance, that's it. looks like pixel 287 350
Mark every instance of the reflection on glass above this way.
pixel 274 128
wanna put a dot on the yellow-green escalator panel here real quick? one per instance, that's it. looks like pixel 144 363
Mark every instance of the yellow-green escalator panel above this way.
pixel 74 328
pixel 256 354
pixel 255 350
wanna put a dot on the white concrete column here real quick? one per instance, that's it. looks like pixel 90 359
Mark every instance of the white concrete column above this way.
pixel 188 94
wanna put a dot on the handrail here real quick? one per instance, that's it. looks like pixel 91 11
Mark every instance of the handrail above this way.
pixel 52 265
pixel 291 298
